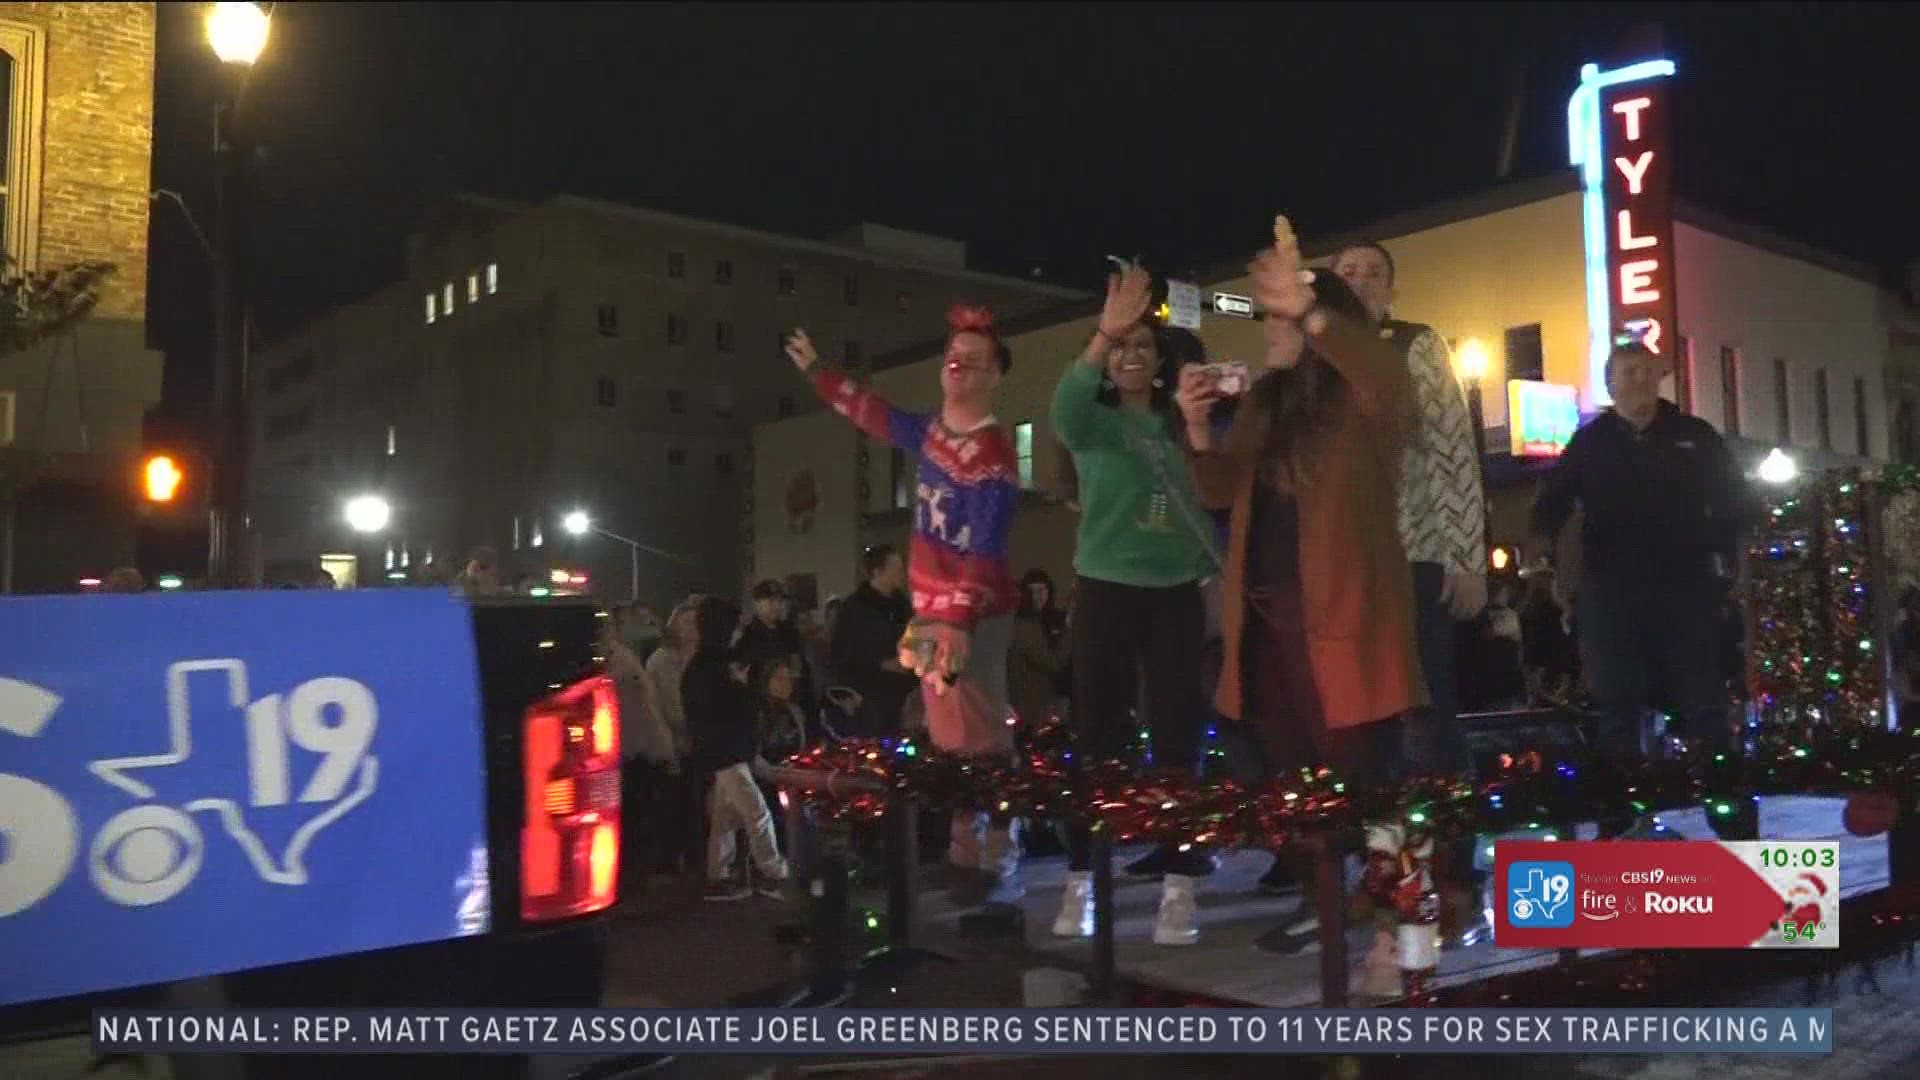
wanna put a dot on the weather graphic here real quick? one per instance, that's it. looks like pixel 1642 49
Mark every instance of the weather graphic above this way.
pixel 1540 894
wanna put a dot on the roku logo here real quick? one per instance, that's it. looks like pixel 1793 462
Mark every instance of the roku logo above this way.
pixel 1679 905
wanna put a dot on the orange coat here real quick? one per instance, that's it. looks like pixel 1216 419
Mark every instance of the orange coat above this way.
pixel 1356 583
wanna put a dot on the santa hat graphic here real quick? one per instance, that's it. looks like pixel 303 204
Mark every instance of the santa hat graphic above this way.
pixel 1813 881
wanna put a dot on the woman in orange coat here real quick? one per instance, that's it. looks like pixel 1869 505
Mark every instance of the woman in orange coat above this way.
pixel 1317 603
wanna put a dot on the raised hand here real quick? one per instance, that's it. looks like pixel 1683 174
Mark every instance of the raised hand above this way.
pixel 1128 294
pixel 800 350
pixel 1280 284
pixel 1195 394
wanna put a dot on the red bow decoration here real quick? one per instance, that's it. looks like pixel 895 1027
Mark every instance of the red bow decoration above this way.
pixel 976 318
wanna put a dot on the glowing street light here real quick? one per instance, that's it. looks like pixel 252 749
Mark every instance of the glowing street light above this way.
pixel 1778 467
pixel 368 513
pixel 237 32
pixel 577 523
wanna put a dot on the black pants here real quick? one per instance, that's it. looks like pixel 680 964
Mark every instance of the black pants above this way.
pixel 658 809
pixel 1435 740
pixel 1639 637
pixel 1123 634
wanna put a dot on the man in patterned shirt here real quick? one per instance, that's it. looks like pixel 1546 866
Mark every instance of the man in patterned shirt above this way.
pixel 1442 506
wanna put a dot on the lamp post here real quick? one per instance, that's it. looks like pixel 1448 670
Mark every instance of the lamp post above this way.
pixel 237 33
pixel 580 523
pixel 1471 365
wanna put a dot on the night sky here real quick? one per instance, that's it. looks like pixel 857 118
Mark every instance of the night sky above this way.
pixel 1044 135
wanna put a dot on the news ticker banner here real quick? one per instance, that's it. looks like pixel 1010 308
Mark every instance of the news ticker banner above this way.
pixel 1667 894
pixel 947 1031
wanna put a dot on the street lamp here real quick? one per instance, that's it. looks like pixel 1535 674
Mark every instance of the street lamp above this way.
pixel 1778 467
pixel 368 513
pixel 580 523
pixel 237 34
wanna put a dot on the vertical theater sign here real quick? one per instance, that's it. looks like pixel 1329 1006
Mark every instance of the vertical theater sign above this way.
pixel 1620 135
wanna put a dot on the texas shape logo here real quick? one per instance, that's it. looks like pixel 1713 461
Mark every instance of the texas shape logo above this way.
pixel 1539 894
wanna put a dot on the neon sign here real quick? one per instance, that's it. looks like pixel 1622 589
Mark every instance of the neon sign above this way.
pixel 1619 136
pixel 1541 417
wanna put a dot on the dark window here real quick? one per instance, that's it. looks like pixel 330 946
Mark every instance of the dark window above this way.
pixel 1782 402
pixel 902 480
pixel 788 286
pixel 1862 437
pixel 1906 433
pixel 676 402
pixel 676 330
pixel 852 290
pixel 1730 388
pixel 851 353
pixel 723 402
pixel 723 271
pixel 723 336
pixel 1525 360
pixel 609 319
pixel 676 264
pixel 903 301
pixel 784 407
pixel 1823 415
pixel 604 392
pixel 7 96
pixel 676 457
pixel 287 424
pixel 723 464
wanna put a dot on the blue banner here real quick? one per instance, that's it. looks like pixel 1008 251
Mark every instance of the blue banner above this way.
pixel 967 1031
pixel 200 783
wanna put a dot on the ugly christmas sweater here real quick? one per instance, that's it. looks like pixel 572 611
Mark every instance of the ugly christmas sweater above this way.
pixel 965 491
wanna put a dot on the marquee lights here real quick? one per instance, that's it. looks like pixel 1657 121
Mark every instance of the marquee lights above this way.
pixel 1617 127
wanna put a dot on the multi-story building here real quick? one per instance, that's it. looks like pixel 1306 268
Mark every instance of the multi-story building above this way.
pixel 1781 345
pixel 575 355
pixel 76 149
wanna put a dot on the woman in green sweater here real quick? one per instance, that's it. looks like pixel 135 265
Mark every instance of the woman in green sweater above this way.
pixel 1140 557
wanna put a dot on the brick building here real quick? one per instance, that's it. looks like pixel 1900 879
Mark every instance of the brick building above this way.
pixel 78 86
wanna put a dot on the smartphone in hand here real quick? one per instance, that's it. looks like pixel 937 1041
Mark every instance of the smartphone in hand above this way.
pixel 1227 379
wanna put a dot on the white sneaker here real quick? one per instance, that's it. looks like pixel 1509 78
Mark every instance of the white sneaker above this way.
pixel 1176 924
pixel 1076 906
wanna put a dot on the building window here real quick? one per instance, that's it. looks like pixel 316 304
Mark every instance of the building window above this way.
pixel 723 271
pixel 676 402
pixel 1822 417
pixel 784 407
pixel 676 264
pixel 23 67
pixel 723 401
pixel 788 286
pixel 676 457
pixel 1863 444
pixel 393 444
pixel 1906 433
pixel 493 278
pixel 1730 389
pixel 723 464
pixel 851 353
pixel 900 480
pixel 676 330
pixel 903 301
pixel 608 317
pixel 538 538
pixel 516 532
pixel 1525 359
pixel 1782 402
pixel 1023 452
pixel 604 392
pixel 851 289
pixel 473 288
pixel 433 308
pixel 446 299
pixel 723 336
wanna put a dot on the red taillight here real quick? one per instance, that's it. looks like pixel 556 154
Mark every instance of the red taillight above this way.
pixel 570 840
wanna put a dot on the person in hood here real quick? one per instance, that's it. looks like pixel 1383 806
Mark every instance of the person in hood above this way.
pixel 722 718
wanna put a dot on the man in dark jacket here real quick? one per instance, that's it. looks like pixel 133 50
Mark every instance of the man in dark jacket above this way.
pixel 866 642
pixel 772 635
pixel 720 719
pixel 1663 507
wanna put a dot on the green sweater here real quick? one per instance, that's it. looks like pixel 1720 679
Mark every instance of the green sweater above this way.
pixel 1131 531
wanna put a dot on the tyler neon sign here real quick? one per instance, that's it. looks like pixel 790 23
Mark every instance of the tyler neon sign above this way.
pixel 1619 137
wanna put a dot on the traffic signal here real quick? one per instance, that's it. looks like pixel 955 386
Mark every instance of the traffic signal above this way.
pixel 160 478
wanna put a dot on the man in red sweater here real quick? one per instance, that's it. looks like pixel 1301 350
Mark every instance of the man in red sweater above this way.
pixel 964 596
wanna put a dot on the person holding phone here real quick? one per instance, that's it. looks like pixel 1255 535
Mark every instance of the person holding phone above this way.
pixel 1140 557
pixel 1317 605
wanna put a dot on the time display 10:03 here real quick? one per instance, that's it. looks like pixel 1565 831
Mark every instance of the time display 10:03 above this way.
pixel 1802 858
